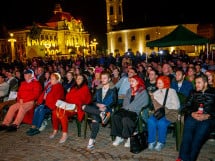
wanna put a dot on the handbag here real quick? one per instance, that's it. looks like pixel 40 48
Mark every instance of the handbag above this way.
pixel 159 113
pixel 139 142
pixel 62 105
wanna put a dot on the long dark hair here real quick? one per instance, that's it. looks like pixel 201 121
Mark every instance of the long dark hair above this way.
pixel 84 81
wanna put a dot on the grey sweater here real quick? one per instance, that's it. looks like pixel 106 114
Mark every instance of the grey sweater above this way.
pixel 141 100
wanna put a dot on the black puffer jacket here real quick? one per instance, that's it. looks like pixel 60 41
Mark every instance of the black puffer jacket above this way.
pixel 207 98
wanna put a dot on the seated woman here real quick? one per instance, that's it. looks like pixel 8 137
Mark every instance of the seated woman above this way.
pixel 46 102
pixel 79 95
pixel 160 126
pixel 104 99
pixel 211 77
pixel 69 81
pixel 124 120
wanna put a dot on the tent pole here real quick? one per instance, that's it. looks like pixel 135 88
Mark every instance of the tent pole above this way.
pixel 146 57
pixel 207 51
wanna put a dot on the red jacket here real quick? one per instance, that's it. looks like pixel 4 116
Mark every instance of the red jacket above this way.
pixel 79 96
pixel 57 92
pixel 29 91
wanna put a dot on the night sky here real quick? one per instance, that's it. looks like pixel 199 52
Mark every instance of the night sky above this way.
pixel 14 13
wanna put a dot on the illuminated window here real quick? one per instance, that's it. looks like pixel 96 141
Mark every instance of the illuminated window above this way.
pixel 47 37
pixel 111 10
pixel 120 10
pixel 119 39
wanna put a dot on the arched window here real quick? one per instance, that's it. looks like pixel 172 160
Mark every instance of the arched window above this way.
pixel 111 10
pixel 133 38
pixel 147 37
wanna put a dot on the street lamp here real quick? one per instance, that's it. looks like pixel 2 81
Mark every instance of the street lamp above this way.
pixel 12 40
pixel 77 48
pixel 161 53
pixel 93 45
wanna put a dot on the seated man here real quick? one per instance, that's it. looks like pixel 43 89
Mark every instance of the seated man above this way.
pixel 28 93
pixel 4 87
pixel 123 84
pixel 13 85
pixel 199 122
pixel 11 80
pixel 104 99
pixel 181 86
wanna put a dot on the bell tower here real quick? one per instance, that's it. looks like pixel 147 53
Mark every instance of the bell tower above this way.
pixel 114 13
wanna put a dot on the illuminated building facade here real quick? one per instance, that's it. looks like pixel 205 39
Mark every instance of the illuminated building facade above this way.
pixel 121 41
pixel 135 39
pixel 61 35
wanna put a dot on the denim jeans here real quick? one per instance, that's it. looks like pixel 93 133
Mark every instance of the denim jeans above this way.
pixel 194 136
pixel 39 114
pixel 157 127
pixel 94 112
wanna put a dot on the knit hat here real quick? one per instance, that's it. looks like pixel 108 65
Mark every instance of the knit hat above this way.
pixel 98 70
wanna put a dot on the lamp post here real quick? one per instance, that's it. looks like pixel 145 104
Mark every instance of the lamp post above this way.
pixel 12 40
pixel 77 48
pixel 93 45
pixel 161 56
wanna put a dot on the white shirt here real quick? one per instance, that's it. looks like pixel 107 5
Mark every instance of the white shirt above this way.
pixel 104 91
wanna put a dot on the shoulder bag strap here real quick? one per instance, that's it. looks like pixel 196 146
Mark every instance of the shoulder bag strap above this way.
pixel 164 102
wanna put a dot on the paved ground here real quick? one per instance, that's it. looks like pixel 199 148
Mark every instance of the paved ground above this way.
pixel 17 146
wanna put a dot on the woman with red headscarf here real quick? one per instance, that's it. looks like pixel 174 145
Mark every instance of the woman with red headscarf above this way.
pixel 159 127
pixel 123 121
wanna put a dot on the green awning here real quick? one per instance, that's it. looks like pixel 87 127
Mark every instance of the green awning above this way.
pixel 179 37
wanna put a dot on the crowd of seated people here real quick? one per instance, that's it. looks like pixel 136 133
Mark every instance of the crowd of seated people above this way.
pixel 108 84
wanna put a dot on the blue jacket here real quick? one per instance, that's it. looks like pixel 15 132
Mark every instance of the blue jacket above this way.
pixel 110 99
pixel 186 88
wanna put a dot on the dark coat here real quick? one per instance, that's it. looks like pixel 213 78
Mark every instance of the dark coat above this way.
pixel 207 98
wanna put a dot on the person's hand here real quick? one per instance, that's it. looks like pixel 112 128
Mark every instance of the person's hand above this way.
pixel 200 117
pixel 21 101
pixel 101 107
pixel 150 94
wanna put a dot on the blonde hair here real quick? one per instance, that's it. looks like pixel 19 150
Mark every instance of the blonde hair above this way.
pixel 57 76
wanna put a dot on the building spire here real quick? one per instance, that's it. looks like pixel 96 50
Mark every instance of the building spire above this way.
pixel 57 8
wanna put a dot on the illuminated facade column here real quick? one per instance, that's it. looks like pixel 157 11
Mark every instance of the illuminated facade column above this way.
pixel 12 40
